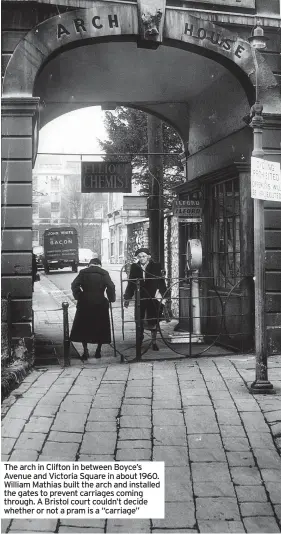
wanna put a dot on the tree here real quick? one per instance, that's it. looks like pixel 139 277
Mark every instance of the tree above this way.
pixel 127 133
pixel 81 208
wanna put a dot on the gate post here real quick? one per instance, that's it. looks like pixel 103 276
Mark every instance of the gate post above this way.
pixel 138 323
pixel 66 341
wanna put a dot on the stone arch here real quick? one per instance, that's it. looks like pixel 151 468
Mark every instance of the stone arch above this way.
pixel 120 21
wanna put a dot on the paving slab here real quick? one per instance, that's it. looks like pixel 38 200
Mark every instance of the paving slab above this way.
pixel 251 494
pixel 239 459
pixel 128 525
pixel 65 437
pixel 169 435
pixel 177 515
pixel 34 525
pixel 83 522
pixel 219 508
pixel 38 425
pixel 30 441
pixel 7 445
pixel 23 456
pixel 214 489
pixel 134 433
pixel 77 530
pixel 261 524
pixel 221 526
pixel 132 421
pixel 246 476
pixel 207 455
pixel 210 472
pixel 133 454
pixel 250 509
pixel 175 455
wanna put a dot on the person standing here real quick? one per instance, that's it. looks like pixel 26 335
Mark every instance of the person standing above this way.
pixel 91 322
pixel 151 280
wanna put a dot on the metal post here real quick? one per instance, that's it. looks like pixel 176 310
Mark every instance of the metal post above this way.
pixel 261 383
pixel 196 306
pixel 113 333
pixel 66 341
pixel 190 315
pixel 138 323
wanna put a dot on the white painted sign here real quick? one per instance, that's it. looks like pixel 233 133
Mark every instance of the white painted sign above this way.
pixel 265 180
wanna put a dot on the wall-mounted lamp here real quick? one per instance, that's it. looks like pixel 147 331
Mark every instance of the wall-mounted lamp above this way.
pixel 258 39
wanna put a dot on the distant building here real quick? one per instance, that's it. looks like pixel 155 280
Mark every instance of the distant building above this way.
pixel 57 201
pixel 126 227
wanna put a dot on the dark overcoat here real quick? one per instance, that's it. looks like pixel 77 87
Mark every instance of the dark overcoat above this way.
pixel 91 322
pixel 153 281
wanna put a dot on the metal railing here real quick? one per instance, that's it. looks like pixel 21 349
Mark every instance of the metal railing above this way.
pixel 209 317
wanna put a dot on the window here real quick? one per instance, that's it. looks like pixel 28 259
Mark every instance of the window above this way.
pixel 120 241
pixel 111 242
pixel 55 206
pixel 225 233
pixel 55 184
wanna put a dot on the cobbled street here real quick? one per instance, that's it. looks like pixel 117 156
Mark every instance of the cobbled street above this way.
pixel 222 466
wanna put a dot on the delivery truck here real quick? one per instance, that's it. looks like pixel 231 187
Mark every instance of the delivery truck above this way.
pixel 60 248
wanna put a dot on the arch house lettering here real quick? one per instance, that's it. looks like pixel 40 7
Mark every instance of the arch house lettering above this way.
pixel 216 38
pixel 80 26
pixel 120 20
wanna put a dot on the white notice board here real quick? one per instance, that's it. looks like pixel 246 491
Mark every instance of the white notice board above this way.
pixel 265 179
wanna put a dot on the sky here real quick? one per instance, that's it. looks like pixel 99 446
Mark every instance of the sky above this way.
pixel 75 132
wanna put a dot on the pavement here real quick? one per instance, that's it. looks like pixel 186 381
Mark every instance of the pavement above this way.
pixel 220 444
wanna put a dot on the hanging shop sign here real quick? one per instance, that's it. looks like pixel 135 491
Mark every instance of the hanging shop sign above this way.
pixel 245 4
pixel 188 209
pixel 265 180
pixel 106 177
pixel 134 203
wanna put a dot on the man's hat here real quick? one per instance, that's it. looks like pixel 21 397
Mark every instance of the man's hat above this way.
pixel 145 250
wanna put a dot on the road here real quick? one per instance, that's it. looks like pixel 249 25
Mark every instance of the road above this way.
pixel 63 278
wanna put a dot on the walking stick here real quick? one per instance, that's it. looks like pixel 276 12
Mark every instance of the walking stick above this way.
pixel 112 326
pixel 122 309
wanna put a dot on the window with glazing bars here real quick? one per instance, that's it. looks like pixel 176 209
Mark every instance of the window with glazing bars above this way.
pixel 225 233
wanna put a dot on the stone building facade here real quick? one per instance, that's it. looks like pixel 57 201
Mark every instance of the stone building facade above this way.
pixel 196 70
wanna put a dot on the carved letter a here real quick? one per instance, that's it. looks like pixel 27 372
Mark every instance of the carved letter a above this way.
pixel 62 31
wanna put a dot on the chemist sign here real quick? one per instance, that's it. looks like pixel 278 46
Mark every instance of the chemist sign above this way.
pixel 265 180
pixel 106 176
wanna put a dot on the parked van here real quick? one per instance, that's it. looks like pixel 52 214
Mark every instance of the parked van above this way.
pixel 60 248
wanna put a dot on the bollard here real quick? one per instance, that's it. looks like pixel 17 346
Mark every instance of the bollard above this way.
pixel 138 323
pixel 66 341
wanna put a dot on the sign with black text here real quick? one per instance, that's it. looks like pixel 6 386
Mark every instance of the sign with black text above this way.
pixel 106 177
pixel 188 208
pixel 265 179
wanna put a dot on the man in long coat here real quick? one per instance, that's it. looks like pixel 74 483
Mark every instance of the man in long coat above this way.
pixel 151 280
pixel 91 322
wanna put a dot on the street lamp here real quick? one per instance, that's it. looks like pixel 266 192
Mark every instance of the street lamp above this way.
pixel 261 383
